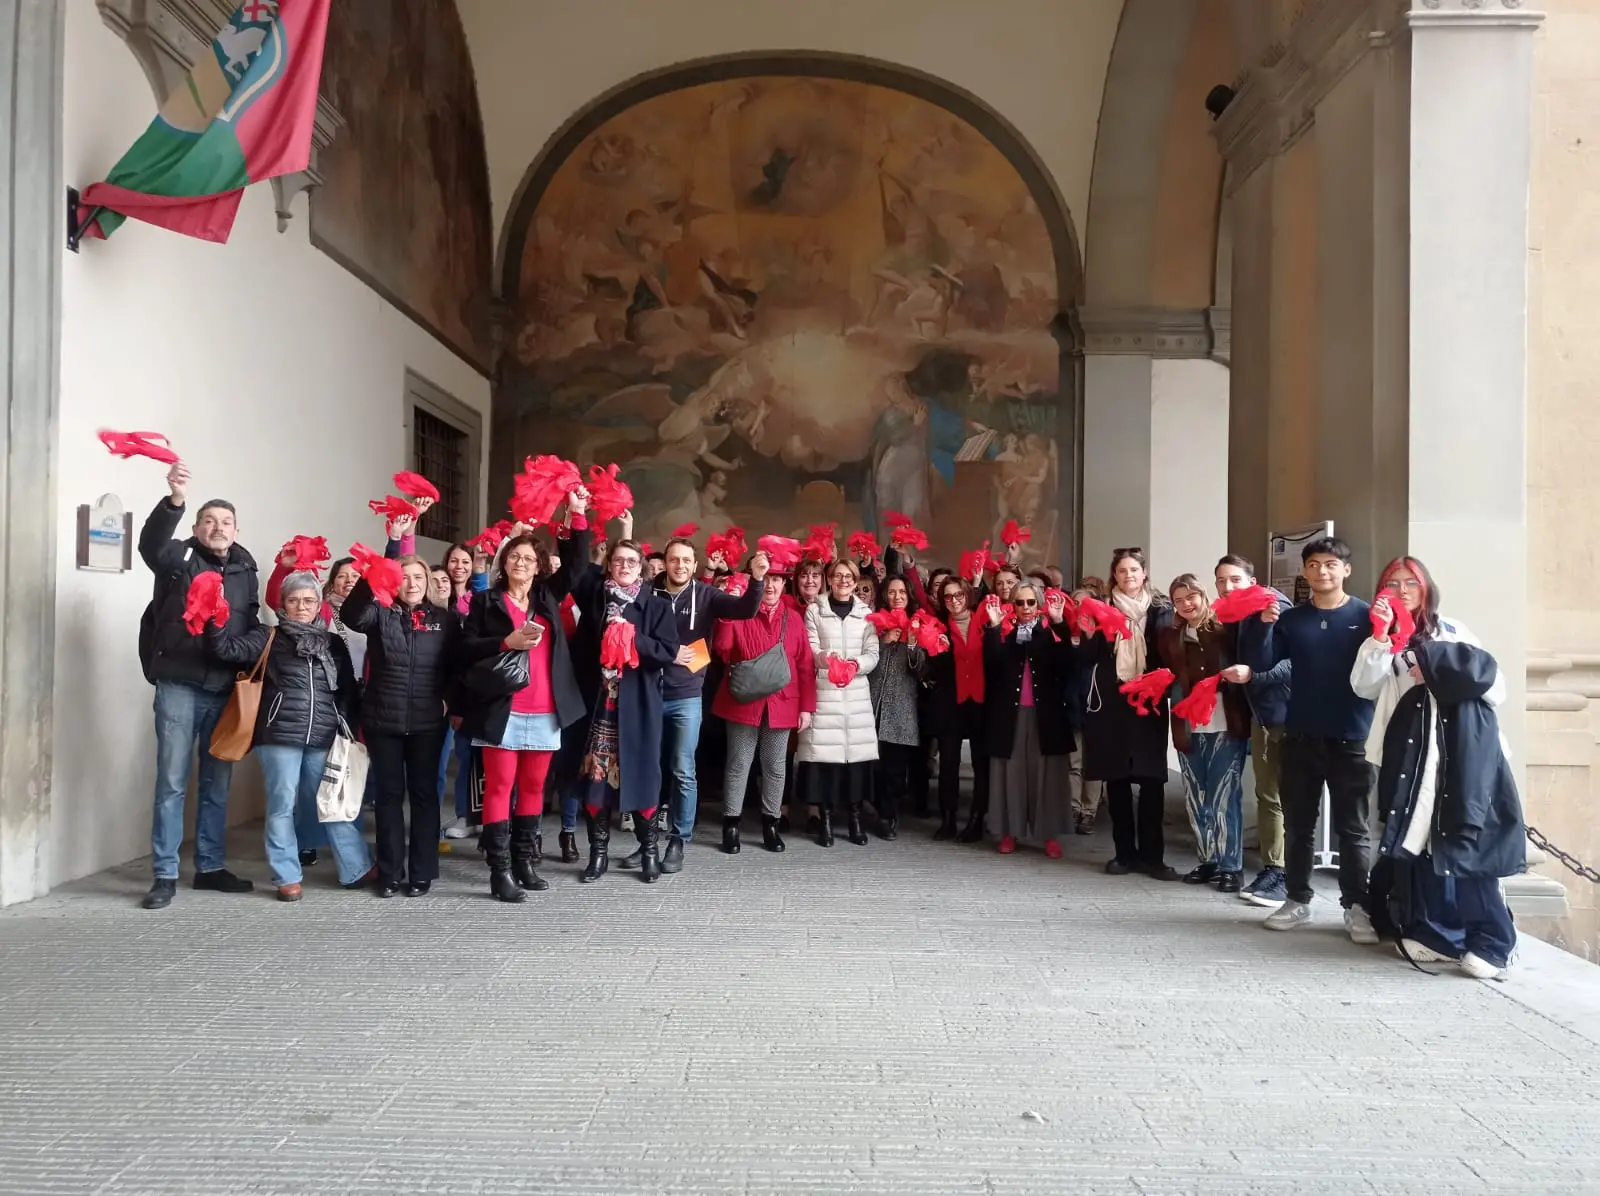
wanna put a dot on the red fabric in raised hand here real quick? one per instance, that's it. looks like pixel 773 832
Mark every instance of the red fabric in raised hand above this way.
pixel 683 531
pixel 490 538
pixel 1405 626
pixel 1201 703
pixel 818 545
pixel 414 485
pixel 841 672
pixel 1069 608
pixel 973 563
pixel 205 602
pixel 896 519
pixel 541 487
pixel 864 546
pixel 382 575
pixel 729 543
pixel 1012 534
pixel 906 536
pixel 138 444
pixel 1238 605
pixel 393 507
pixel 930 633
pixel 608 497
pixel 646 548
pixel 618 649
pixel 310 552
pixel 782 551
pixel 1145 691
pixel 1107 619
pixel 735 584
pixel 890 620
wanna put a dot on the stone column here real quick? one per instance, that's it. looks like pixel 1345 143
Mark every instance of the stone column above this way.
pixel 1471 134
pixel 32 232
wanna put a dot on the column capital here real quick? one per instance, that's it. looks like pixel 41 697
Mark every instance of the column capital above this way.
pixel 1457 14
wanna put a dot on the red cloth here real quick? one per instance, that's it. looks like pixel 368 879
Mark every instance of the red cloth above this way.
pixel 736 584
pixel 381 574
pixel 864 546
pixel 1200 705
pixel 819 544
pixel 683 531
pixel 730 544
pixel 1145 691
pixel 414 485
pixel 968 651
pixel 930 633
pixel 541 487
pixel 1238 605
pixel 906 536
pixel 745 639
pixel 393 507
pixel 896 519
pixel 502 769
pixel 138 444
pixel 975 562
pixel 205 602
pixel 781 551
pixel 608 497
pixel 890 620
pixel 1012 534
pixel 309 552
pixel 537 697
pixel 1401 629
pixel 1108 620
pixel 617 647
pixel 490 538
pixel 841 672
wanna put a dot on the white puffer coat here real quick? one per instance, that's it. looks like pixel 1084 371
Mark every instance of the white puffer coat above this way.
pixel 843 731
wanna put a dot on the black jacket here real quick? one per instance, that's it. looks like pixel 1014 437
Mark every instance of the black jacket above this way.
pixel 487 626
pixel 697 608
pixel 298 706
pixel 411 661
pixel 1477 827
pixel 1120 744
pixel 167 651
pixel 1053 672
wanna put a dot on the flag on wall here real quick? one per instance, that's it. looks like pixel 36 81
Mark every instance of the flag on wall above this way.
pixel 243 114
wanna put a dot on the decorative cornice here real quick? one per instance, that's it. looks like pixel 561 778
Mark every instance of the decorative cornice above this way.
pixel 1220 321
pixel 1575 689
pixel 1145 331
pixel 285 187
pixel 1476 13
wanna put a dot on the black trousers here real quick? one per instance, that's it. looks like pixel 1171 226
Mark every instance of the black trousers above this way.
pixel 407 766
pixel 897 765
pixel 1136 833
pixel 1305 764
pixel 968 726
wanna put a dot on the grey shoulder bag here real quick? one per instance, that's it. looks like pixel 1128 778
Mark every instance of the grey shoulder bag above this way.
pixel 764 675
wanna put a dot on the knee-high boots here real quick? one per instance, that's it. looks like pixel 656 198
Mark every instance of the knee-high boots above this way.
pixel 599 845
pixel 497 850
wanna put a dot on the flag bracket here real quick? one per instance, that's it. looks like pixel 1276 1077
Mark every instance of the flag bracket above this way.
pixel 77 220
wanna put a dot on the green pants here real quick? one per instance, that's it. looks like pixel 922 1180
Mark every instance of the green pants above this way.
pixel 1265 744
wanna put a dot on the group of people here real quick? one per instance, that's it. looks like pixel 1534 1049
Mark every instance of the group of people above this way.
pixel 562 671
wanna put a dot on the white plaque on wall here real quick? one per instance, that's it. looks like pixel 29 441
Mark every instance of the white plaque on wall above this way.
pixel 105 536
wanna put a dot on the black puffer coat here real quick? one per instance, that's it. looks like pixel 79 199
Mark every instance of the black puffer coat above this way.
pixel 1476 823
pixel 167 651
pixel 412 655
pixel 1052 669
pixel 298 706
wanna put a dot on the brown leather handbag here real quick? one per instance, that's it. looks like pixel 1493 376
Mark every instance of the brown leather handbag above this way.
pixel 236 729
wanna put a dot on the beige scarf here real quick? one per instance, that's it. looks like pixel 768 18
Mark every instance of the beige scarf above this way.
pixel 1130 651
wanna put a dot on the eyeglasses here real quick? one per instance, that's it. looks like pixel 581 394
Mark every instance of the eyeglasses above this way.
pixel 522 558
pixel 302 600
pixel 626 562
pixel 1396 584
pixel 953 596
pixel 1025 602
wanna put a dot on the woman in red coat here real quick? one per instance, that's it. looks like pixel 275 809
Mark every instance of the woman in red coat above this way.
pixel 762 727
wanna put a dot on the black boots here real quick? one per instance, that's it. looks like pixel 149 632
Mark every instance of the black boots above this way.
pixel 645 830
pixel 824 821
pixel 496 840
pixel 857 833
pixel 569 847
pixel 525 853
pixel 730 836
pixel 672 860
pixel 599 845
pixel 947 823
pixel 889 828
pixel 973 831
pixel 769 835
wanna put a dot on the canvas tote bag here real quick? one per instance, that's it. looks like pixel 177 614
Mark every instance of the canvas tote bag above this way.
pixel 236 729
pixel 344 779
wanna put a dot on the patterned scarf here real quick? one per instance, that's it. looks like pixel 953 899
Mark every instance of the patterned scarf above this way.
pixel 310 641
pixel 1130 651
pixel 618 598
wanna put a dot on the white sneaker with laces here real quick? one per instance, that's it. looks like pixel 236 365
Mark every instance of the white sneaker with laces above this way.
pixel 1359 926
pixel 1481 969
pixel 1288 916
pixel 457 829
pixel 1417 953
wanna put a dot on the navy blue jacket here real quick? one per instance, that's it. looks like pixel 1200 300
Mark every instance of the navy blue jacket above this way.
pixel 697 607
pixel 1268 689
pixel 1322 645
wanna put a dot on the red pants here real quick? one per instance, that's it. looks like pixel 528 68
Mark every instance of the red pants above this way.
pixel 501 770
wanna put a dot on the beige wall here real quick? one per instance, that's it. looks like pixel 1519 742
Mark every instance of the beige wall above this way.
pixel 1039 63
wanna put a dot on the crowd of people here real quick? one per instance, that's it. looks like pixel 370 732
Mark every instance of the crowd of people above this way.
pixel 613 682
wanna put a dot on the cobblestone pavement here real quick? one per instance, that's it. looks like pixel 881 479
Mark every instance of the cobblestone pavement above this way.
pixel 909 1018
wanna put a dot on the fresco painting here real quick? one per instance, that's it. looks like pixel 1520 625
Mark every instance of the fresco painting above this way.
pixel 780 301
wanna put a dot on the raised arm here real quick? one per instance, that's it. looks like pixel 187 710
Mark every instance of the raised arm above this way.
pixel 360 611
pixel 156 545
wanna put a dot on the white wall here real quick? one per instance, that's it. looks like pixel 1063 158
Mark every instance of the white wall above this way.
pixel 278 376
pixel 1189 469
pixel 1041 64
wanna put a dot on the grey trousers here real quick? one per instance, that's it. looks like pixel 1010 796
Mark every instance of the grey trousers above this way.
pixel 1029 791
pixel 745 743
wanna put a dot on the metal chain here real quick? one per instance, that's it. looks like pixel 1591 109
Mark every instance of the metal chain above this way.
pixel 1576 865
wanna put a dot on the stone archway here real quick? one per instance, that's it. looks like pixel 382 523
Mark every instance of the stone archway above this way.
pixel 715 311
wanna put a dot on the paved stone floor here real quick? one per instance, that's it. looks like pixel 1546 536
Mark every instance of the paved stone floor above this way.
pixel 902 1018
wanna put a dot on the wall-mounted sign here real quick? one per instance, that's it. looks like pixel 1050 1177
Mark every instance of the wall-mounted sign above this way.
pixel 105 536
pixel 1283 559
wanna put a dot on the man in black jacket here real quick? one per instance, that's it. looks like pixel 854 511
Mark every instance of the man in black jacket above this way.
pixel 192 685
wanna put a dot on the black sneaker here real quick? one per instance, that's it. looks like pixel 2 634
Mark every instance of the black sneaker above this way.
pixel 1229 882
pixel 1203 875
pixel 418 888
pixel 220 880
pixel 307 858
pixel 161 893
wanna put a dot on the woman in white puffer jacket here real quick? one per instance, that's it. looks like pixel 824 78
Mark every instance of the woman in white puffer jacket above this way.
pixel 837 753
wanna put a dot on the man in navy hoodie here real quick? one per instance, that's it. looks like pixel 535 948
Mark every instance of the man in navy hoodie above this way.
pixel 1325 732
pixel 697 605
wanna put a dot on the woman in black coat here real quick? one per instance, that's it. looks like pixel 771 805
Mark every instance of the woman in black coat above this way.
pixel 1028 718
pixel 621 764
pixel 1452 818
pixel 518 731
pixel 1122 747
pixel 411 657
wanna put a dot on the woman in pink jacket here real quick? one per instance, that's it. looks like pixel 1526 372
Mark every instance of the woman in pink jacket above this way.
pixel 762 727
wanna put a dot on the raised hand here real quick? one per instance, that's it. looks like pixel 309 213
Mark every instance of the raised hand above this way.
pixel 178 483
pixel 992 608
pixel 760 564
pixel 577 500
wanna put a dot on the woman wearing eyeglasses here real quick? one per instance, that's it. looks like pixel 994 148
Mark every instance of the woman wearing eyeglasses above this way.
pixel 955 711
pixel 1028 720
pixel 621 764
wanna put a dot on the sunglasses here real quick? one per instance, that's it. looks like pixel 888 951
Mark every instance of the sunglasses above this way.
pixel 1135 551
pixel 1025 602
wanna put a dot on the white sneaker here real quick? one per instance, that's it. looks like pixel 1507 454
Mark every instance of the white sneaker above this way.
pixel 1417 953
pixel 457 829
pixel 1481 969
pixel 1359 926
pixel 1288 916
pixel 627 822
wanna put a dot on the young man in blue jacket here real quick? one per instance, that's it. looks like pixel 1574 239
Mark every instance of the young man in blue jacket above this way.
pixel 1325 732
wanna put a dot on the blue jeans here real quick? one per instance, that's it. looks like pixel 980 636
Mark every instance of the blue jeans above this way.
pixel 461 747
pixel 1454 915
pixel 185 716
pixel 1213 789
pixel 680 735
pixel 292 775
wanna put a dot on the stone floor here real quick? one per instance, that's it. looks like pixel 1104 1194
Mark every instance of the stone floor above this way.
pixel 902 1018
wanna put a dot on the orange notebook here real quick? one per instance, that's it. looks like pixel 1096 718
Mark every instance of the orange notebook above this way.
pixel 702 656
